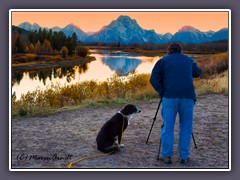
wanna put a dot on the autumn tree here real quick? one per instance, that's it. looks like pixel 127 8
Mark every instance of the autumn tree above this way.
pixel 46 47
pixel 26 49
pixel 31 48
pixel 38 47
pixel 64 51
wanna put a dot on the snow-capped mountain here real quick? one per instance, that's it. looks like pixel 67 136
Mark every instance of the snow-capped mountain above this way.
pixel 209 33
pixel 220 35
pixel 56 28
pixel 29 27
pixel 189 34
pixel 125 30
pixel 167 37
pixel 67 30
pixel 35 27
pixel 71 28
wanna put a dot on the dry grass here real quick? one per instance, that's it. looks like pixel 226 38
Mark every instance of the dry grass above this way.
pixel 216 84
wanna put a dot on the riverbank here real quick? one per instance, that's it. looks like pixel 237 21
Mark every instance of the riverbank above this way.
pixel 71 135
pixel 25 62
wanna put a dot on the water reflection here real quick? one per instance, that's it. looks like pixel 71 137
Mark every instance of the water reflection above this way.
pixel 50 73
pixel 16 77
pixel 121 65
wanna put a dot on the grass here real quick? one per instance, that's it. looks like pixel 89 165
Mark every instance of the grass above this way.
pixel 115 90
pixel 216 84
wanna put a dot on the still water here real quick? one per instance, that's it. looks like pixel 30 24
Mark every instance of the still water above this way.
pixel 107 64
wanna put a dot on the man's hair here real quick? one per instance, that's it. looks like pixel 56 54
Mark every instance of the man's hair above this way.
pixel 174 47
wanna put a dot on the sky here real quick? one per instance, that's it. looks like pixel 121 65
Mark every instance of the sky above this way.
pixel 161 22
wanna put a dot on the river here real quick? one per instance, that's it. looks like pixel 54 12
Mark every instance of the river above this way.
pixel 107 64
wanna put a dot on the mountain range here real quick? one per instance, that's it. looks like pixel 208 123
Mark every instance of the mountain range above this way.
pixel 126 31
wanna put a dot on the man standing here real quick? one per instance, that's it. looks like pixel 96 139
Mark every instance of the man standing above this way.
pixel 172 77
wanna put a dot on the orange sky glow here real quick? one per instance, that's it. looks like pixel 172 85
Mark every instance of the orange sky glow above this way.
pixel 161 22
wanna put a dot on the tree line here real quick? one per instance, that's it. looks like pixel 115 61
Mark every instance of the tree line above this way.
pixel 208 47
pixel 46 42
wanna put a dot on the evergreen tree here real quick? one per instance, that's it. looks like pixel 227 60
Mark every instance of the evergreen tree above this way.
pixel 44 34
pixel 40 36
pixel 61 40
pixel 74 39
pixel 50 36
pixel 70 46
pixel 55 40
pixel 19 43
pixel 31 37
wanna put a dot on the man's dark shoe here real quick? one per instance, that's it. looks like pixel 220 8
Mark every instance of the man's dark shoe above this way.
pixel 183 161
pixel 166 160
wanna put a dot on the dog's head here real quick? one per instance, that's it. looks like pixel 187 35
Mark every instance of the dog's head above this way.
pixel 130 109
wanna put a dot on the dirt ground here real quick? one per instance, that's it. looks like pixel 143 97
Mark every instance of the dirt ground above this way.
pixel 54 140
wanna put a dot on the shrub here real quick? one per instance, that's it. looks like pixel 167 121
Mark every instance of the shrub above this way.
pixel 83 51
pixel 22 111
pixel 64 51
pixel 214 64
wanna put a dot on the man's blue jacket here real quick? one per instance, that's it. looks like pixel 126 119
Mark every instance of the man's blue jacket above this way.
pixel 172 76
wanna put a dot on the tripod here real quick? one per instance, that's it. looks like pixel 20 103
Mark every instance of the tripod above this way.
pixel 154 119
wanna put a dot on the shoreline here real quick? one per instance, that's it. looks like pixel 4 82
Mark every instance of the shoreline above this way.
pixel 35 65
pixel 148 53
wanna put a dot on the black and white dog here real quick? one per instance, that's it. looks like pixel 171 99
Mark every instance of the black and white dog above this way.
pixel 110 135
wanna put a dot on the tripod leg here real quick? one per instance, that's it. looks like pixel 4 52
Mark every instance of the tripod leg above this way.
pixel 159 149
pixel 160 143
pixel 154 120
pixel 150 130
pixel 194 141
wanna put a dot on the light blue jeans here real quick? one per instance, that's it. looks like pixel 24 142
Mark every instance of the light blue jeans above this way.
pixel 170 108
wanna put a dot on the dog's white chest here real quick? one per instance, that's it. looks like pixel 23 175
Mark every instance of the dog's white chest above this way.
pixel 129 117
